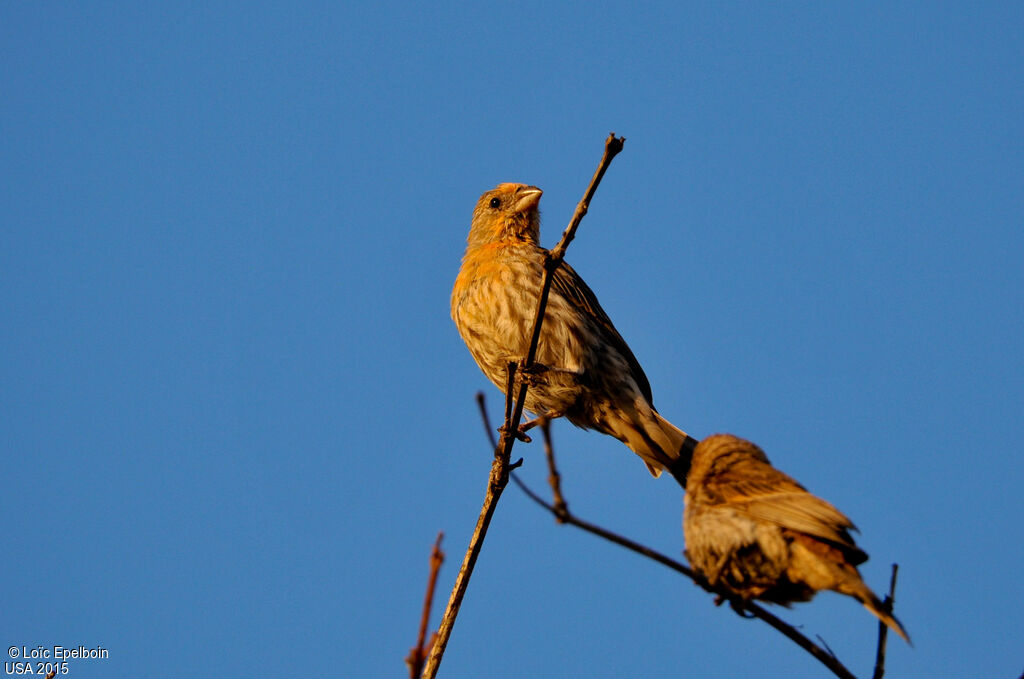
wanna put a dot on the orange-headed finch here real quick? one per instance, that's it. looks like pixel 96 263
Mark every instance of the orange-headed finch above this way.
pixel 758 533
pixel 584 369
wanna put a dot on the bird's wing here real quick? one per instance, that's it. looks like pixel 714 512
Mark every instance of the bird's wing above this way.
pixel 763 493
pixel 568 284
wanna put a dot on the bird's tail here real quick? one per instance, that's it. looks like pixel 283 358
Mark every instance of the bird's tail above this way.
pixel 660 444
pixel 858 590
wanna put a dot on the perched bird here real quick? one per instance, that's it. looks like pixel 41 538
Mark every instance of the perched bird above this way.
pixel 584 370
pixel 761 535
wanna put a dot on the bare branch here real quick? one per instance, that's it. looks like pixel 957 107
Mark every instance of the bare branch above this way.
pixel 554 478
pixel 510 387
pixel 500 468
pixel 883 629
pixel 481 402
pixel 612 146
pixel 418 654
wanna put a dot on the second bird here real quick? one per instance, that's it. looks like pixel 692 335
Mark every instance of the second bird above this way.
pixel 584 370
pixel 758 533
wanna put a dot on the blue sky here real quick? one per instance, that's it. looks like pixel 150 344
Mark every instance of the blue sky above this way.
pixel 234 411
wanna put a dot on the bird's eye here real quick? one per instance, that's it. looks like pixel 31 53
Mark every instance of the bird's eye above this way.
pixel 495 202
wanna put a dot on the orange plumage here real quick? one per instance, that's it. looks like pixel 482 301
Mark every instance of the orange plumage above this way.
pixel 585 370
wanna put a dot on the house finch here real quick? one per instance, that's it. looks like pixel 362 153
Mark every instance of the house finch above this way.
pixel 758 533
pixel 584 370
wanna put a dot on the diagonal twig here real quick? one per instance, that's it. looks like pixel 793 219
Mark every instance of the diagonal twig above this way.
pixel 414 661
pixel 554 478
pixel 883 629
pixel 500 467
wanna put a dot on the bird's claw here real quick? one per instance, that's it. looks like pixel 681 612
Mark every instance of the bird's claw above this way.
pixel 740 609
pixel 520 433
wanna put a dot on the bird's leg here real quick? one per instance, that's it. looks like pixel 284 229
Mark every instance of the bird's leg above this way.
pixel 530 424
pixel 712 574
pixel 534 376
pixel 520 435
pixel 739 607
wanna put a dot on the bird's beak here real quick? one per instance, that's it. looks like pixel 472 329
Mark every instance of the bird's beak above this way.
pixel 528 198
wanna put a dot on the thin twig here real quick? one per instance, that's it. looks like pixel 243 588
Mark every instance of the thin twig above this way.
pixel 883 629
pixel 554 478
pixel 500 467
pixel 481 402
pixel 419 652
pixel 612 147
pixel 825 646
pixel 510 385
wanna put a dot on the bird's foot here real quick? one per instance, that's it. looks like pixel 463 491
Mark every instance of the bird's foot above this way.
pixel 530 424
pixel 738 606
pixel 520 433
pixel 546 417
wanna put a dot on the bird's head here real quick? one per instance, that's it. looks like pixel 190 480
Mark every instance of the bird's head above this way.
pixel 508 211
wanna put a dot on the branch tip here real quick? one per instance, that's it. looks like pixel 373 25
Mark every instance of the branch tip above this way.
pixel 418 654
pixel 883 629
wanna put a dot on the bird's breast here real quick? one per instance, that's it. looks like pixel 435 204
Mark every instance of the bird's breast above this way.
pixel 494 299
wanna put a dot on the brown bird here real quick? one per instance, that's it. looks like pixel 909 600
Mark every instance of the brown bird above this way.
pixel 761 535
pixel 585 371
